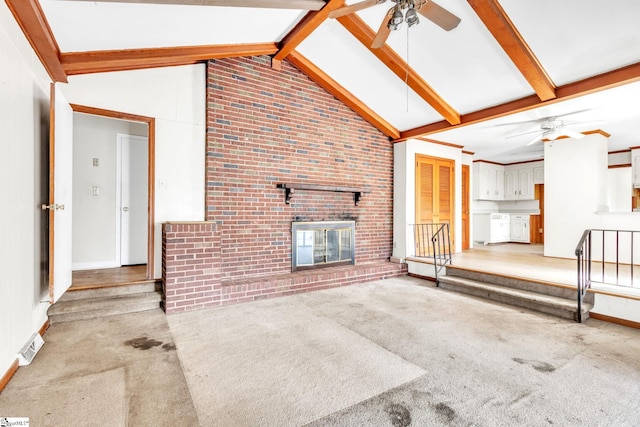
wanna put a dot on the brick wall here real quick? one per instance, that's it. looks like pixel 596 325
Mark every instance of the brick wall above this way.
pixel 190 266
pixel 266 127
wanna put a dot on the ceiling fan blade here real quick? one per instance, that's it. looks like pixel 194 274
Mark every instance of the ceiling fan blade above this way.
pixel 571 133
pixel 439 15
pixel 523 133
pixel 383 31
pixel 536 139
pixel 268 4
pixel 354 8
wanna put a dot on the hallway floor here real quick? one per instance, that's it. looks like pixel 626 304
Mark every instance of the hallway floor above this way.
pixel 395 352
pixel 105 277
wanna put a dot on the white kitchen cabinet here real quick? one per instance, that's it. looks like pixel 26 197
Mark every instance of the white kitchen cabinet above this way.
pixel 488 181
pixel 519 228
pixel 511 184
pixel 525 180
pixel 635 163
pixel 518 183
pixel 538 174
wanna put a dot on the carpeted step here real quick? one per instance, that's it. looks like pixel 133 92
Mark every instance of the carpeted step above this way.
pixel 562 291
pixel 111 291
pixel 67 311
pixel 550 304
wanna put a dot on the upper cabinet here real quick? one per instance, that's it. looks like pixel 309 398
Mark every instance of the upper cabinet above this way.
pixel 518 182
pixel 538 174
pixel 488 181
pixel 511 182
pixel 635 162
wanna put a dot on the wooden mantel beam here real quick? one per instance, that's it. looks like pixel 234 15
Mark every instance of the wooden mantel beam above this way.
pixel 498 23
pixel 360 30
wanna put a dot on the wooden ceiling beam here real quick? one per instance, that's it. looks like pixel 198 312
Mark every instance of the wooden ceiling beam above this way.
pixel 360 30
pixel 500 26
pixel 271 4
pixel 608 80
pixel 31 19
pixel 346 97
pixel 133 59
pixel 302 30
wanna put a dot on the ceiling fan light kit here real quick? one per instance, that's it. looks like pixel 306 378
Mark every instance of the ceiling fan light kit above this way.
pixel 403 11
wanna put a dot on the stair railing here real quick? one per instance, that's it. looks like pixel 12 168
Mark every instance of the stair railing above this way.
pixel 433 241
pixel 583 254
pixel 609 257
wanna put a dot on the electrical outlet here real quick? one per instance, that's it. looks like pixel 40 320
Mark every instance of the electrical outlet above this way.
pixel 96 191
pixel 96 162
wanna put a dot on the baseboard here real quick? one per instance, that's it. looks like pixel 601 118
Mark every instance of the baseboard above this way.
pixel 616 320
pixel 44 328
pixel 8 375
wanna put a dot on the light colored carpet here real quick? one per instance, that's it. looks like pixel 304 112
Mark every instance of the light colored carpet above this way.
pixel 487 364
pixel 396 352
pixel 83 364
pixel 276 363
pixel 93 400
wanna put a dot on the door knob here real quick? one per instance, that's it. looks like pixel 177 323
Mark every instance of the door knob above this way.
pixel 54 207
pixel 126 209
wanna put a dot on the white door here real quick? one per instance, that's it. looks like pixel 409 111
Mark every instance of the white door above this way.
pixel 133 198
pixel 60 192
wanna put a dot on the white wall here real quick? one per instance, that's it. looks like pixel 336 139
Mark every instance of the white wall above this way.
pixel 404 189
pixel 620 189
pixel 575 177
pixel 95 137
pixel 24 116
pixel 176 98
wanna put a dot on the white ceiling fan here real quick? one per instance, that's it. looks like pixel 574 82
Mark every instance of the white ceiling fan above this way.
pixel 551 128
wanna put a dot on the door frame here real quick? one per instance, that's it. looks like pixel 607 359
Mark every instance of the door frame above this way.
pixel 151 139
pixel 466 208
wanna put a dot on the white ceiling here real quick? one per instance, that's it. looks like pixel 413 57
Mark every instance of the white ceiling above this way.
pixel 572 39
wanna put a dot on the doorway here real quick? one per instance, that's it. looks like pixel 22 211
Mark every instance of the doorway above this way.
pixel 536 235
pixel 113 198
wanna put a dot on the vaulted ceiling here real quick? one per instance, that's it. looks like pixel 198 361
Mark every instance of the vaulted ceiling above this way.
pixel 507 62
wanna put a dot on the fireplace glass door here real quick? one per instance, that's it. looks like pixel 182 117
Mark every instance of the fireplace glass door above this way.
pixel 318 244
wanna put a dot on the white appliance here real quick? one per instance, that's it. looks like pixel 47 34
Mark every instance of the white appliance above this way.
pixel 499 226
pixel 490 228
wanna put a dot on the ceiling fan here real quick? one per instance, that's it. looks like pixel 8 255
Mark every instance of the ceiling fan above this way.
pixel 550 128
pixel 403 11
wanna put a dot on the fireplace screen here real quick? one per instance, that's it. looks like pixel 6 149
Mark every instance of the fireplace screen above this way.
pixel 320 244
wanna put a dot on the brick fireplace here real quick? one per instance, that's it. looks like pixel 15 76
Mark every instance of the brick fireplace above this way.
pixel 267 128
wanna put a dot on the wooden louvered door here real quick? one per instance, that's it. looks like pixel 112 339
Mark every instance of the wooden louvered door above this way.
pixel 434 198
